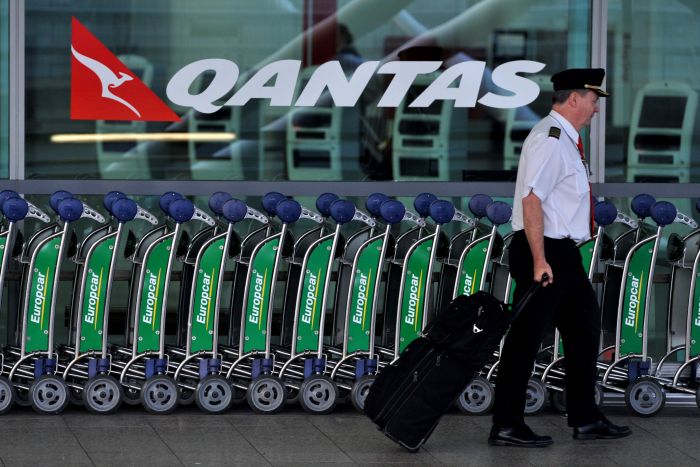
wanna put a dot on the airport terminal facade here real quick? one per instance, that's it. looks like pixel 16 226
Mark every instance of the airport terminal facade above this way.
pixel 353 97
pixel 255 111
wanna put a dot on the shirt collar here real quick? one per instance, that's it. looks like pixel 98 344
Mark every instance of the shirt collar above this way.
pixel 568 127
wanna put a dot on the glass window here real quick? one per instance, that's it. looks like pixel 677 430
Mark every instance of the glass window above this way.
pixel 653 75
pixel 4 89
pixel 290 89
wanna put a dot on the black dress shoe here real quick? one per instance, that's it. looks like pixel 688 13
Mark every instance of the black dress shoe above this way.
pixel 602 429
pixel 521 436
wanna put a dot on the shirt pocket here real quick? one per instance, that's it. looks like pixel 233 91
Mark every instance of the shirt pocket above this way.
pixel 583 186
pixel 577 178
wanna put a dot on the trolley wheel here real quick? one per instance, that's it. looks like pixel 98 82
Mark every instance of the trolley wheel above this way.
pixel 22 397
pixel 103 394
pixel 239 396
pixel 187 396
pixel 359 392
pixel 292 396
pixel 645 397
pixel 535 396
pixel 477 398
pixel 266 395
pixel 132 396
pixel 49 395
pixel 214 394
pixel 75 396
pixel 557 399
pixel 318 394
pixel 159 394
pixel 7 395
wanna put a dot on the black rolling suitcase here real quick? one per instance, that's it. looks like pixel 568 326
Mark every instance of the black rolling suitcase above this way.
pixel 409 397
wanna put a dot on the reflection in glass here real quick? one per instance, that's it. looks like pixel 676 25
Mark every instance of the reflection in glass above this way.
pixel 4 90
pixel 651 117
pixel 361 141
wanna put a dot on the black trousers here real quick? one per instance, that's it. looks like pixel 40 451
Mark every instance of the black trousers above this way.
pixel 571 305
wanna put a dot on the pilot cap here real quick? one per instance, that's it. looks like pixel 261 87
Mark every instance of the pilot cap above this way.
pixel 580 78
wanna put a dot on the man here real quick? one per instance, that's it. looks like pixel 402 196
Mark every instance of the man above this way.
pixel 551 213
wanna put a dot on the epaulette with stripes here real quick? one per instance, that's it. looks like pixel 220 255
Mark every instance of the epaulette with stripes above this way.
pixel 554 132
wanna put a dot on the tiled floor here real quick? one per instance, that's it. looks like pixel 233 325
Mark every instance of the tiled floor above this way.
pixel 240 437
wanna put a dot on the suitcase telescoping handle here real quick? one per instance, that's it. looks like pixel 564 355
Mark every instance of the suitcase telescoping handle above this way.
pixel 517 309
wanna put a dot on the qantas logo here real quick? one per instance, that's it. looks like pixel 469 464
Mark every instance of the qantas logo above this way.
pixel 103 87
pixel 107 78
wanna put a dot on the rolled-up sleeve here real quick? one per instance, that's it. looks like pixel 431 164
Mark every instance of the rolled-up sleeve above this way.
pixel 543 167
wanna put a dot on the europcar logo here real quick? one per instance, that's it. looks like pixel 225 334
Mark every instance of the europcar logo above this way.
pixel 635 292
pixel 103 88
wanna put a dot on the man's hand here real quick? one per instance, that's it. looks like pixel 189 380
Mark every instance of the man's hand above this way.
pixel 540 270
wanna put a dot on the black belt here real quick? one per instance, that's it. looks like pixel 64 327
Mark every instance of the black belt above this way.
pixel 521 233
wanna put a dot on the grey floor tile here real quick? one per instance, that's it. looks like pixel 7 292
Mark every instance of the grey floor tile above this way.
pixel 293 418
pixel 315 464
pixel 41 446
pixel 385 451
pixel 57 462
pixel 210 445
pixel 122 419
pixel 224 463
pixel 30 421
pixel 293 437
pixel 130 462
pixel 129 446
pixel 363 443
pixel 290 444
pixel 643 450
pixel 189 419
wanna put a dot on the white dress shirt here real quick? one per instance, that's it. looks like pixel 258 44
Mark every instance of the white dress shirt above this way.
pixel 552 169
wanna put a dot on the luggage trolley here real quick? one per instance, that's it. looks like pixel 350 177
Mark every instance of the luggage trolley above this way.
pixel 472 275
pixel 458 245
pixel 15 209
pixel 296 270
pixel 24 257
pixel 318 392
pixel 265 392
pixel 66 351
pixel 478 397
pixel 612 283
pixel 643 393
pixel 675 375
pixel 200 370
pixel 240 275
pixel 346 272
pixel 356 362
pixel 146 371
pixel 475 261
pixel 35 367
pixel 79 260
pixel 193 247
pixel 189 259
pixel 395 263
pixel 415 297
pixel 88 369
pixel 594 250
pixel 249 244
